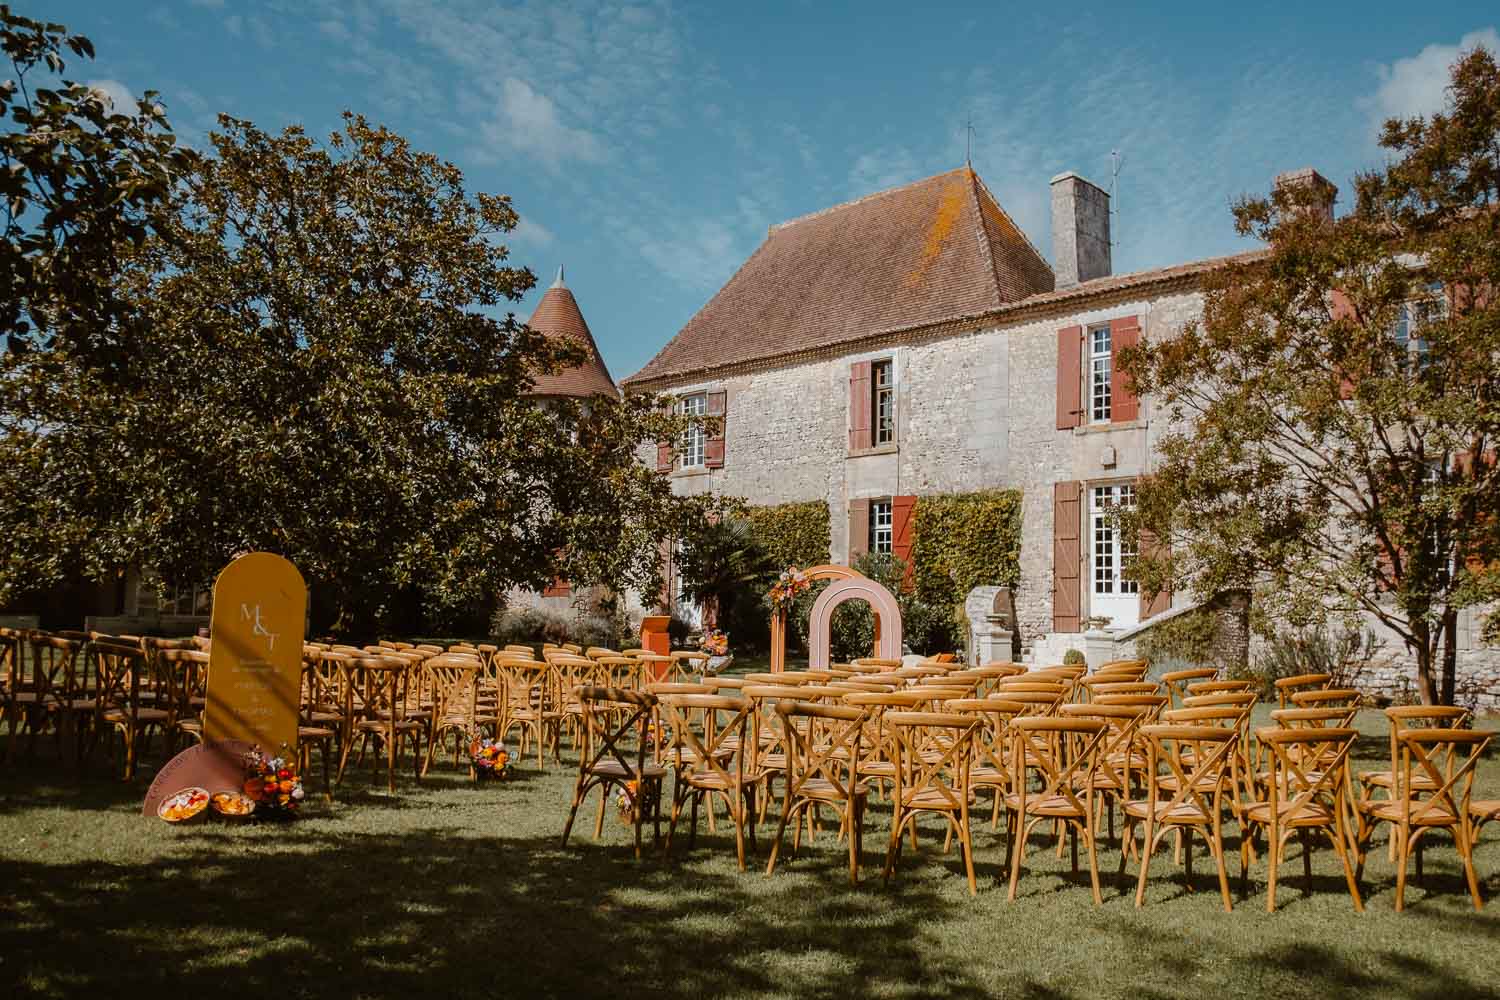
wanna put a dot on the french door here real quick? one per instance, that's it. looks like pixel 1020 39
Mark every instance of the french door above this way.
pixel 1110 594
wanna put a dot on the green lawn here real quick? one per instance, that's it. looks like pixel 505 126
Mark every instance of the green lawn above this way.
pixel 461 890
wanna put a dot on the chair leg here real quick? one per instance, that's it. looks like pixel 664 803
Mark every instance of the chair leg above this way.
pixel 1018 852
pixel 1088 836
pixel 1217 846
pixel 1148 845
pixel 965 841
pixel 1273 856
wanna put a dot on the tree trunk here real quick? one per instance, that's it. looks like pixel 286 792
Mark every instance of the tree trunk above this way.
pixel 1450 656
pixel 1427 688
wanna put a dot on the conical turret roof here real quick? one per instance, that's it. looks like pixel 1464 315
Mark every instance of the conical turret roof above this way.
pixel 558 315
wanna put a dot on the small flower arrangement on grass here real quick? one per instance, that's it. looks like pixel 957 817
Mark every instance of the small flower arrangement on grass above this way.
pixel 788 586
pixel 714 643
pixel 625 801
pixel 489 757
pixel 273 784
pixel 657 735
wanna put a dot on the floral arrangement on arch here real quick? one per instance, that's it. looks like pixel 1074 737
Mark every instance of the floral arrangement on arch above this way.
pixel 490 757
pixel 788 586
pixel 273 784
pixel 714 643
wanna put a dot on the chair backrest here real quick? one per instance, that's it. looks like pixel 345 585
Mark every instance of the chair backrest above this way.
pixel 1244 699
pixel 1219 686
pixel 1155 702
pixel 1202 760
pixel 826 746
pixel 1126 687
pixel 118 670
pixel 1447 757
pixel 1326 698
pixel 609 715
pixel 933 754
pixel 1285 686
pixel 1313 718
pixel 1063 751
pixel 992 741
pixel 453 684
pixel 708 750
pixel 1117 762
pixel 1305 766
pixel 185 675
pixel 1176 681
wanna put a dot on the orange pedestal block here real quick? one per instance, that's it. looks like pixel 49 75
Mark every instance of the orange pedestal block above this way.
pixel 654 635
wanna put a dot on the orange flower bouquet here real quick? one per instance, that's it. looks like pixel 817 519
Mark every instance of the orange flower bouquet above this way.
pixel 273 784
pixel 788 586
pixel 625 801
pixel 489 757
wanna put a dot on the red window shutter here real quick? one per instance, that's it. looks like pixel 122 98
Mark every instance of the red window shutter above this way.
pixel 1152 604
pixel 860 435
pixel 1067 557
pixel 663 457
pixel 713 447
pixel 1124 404
pixel 859 529
pixel 1340 308
pixel 1069 376
pixel 559 587
pixel 902 521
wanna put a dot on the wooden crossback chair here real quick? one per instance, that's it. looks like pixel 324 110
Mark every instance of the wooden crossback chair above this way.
pixel 688 665
pixel 878 761
pixel 1307 790
pixel 377 691
pixel 1243 699
pixel 1326 698
pixel 1192 801
pixel 1218 686
pixel 43 689
pixel 1288 686
pixel 528 705
pixel 933 755
pixel 611 716
pixel 991 766
pixel 701 769
pixel 184 670
pixel 772 753
pixel 1122 765
pixel 122 679
pixel 1176 681
pixel 1064 752
pixel 1446 758
pixel 823 747
pixel 456 707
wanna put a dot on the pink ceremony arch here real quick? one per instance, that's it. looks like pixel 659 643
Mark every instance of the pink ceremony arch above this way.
pixel 887 639
pixel 887 616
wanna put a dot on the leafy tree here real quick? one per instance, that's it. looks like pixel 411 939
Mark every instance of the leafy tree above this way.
pixel 321 367
pixel 1335 410
pixel 725 569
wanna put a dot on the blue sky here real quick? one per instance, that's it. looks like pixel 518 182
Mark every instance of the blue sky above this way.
pixel 648 146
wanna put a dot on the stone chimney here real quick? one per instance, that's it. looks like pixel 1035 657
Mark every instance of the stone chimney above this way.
pixel 1080 230
pixel 1323 190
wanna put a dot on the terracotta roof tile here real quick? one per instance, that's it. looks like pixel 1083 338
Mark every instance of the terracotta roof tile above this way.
pixel 929 252
pixel 558 315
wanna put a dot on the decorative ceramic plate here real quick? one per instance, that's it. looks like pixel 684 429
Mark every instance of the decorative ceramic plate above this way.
pixel 232 805
pixel 183 806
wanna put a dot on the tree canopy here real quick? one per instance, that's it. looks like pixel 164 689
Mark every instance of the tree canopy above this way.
pixel 1335 410
pixel 298 346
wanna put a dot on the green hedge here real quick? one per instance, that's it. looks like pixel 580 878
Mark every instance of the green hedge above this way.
pixel 795 534
pixel 964 540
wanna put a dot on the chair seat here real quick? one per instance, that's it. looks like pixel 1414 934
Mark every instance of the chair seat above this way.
pixel 1387 779
pixel 316 717
pixel 824 790
pixel 1051 805
pixel 988 776
pixel 1182 813
pixel 1311 814
pixel 942 799
pixel 314 733
pixel 142 715
pixel 878 768
pixel 609 768
pixel 1390 811
pixel 381 725
pixel 713 781
pixel 190 725
pixel 1206 783
pixel 1485 809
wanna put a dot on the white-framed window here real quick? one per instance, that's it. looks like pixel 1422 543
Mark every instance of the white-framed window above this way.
pixel 694 440
pixel 187 600
pixel 1100 368
pixel 883 403
pixel 882 534
pixel 1414 314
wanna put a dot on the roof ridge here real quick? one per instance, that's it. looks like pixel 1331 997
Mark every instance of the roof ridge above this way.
pixel 794 220
pixel 984 238
pixel 1009 218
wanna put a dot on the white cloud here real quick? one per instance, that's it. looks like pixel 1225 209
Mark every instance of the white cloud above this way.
pixel 234 24
pixel 527 121
pixel 881 169
pixel 210 4
pixel 334 30
pixel 1417 85
pixel 532 233
pixel 116 95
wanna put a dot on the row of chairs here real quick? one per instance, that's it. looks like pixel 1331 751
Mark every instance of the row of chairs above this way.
pixel 1054 747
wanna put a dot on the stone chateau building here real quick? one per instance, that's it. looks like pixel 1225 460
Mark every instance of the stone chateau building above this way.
pixel 915 341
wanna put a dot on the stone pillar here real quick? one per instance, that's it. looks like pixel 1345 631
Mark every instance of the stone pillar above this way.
pixel 1098 647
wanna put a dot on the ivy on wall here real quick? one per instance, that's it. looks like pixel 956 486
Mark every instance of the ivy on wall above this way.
pixel 964 540
pixel 795 534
